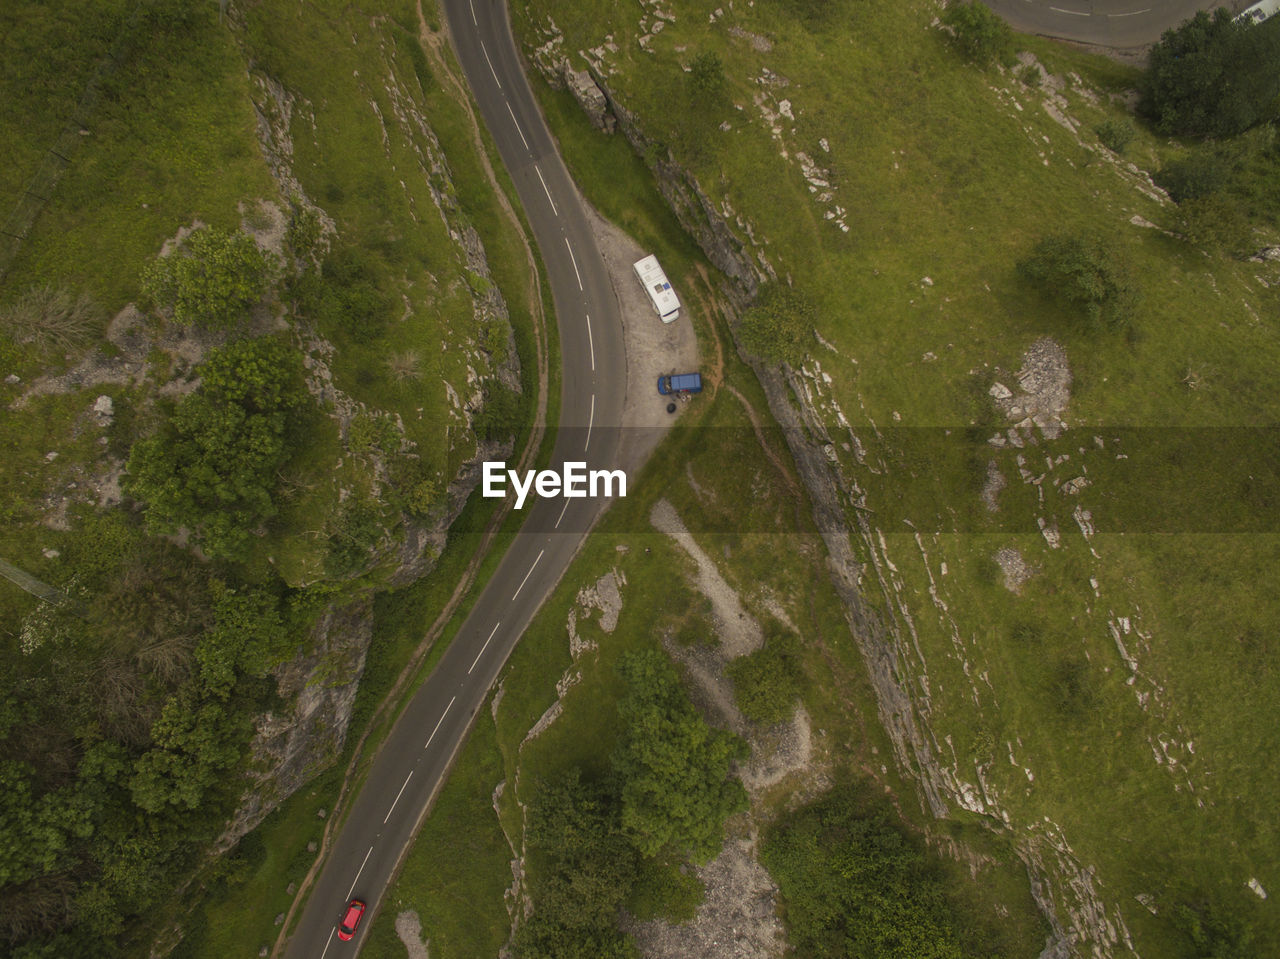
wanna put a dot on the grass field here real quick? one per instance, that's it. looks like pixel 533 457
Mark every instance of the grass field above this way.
pixel 945 176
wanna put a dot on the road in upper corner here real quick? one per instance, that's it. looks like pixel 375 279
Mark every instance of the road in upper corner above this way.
pixel 1107 23
pixel 414 761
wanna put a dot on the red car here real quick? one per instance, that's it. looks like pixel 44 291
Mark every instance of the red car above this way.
pixel 351 919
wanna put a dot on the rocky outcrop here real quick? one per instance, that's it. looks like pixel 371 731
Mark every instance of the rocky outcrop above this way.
pixel 292 746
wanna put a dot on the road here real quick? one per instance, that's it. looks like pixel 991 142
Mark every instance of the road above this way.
pixel 413 762
pixel 1108 23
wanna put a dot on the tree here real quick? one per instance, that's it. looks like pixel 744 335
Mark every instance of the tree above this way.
pixel 676 788
pixel 1085 272
pixel 213 467
pixel 1213 76
pixel 581 870
pixel 853 887
pixel 211 280
pixel 979 33
pixel 779 326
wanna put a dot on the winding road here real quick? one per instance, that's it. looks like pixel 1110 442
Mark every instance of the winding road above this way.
pixel 414 760
pixel 1107 23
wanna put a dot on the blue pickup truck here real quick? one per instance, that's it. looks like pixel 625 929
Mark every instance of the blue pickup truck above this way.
pixel 680 383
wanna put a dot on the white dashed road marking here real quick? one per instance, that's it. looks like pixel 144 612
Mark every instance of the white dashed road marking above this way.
pixel 487 641
pixel 546 191
pixel 590 422
pixel 521 132
pixel 525 580
pixel 360 870
pixel 591 344
pixel 490 62
pixel 442 716
pixel 574 259
pixel 397 799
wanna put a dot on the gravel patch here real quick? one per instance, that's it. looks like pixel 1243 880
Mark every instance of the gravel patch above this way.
pixel 739 632
pixel 409 929
pixel 737 920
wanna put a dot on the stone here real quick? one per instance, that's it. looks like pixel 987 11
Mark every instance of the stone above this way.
pixel 999 391
pixel 279 919
pixel 13 379
pixel 589 96
pixel 312 846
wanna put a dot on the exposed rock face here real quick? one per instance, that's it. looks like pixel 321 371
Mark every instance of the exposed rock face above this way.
pixel 589 96
pixel 292 747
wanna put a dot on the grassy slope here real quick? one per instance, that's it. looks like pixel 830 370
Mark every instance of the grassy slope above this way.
pixel 941 176
pixel 174 139
pixel 463 914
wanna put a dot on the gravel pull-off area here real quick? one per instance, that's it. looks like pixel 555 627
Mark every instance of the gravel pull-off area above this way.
pixel 653 348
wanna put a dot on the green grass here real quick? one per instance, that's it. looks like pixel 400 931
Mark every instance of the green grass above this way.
pixel 656 602
pixel 940 175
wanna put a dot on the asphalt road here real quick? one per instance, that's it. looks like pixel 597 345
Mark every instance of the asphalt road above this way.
pixel 1108 23
pixel 412 764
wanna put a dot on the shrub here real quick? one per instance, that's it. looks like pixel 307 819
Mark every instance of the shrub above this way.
pixel 779 326
pixel 1213 76
pixel 767 682
pixel 211 280
pixel 501 416
pixel 853 885
pixel 979 33
pixel 1087 273
pixel 1115 134
pixel 1214 222
pixel 213 467
pixel 1197 175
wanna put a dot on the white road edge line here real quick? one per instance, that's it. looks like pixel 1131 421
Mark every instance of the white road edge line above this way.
pixel 397 799
pixel 590 422
pixel 563 510
pixel 490 62
pixel 546 191
pixel 486 642
pixel 473 13
pixel 519 131
pixel 326 944
pixel 360 870
pixel 591 343
pixel 437 729
pixel 1074 13
pixel 573 258
pixel 525 580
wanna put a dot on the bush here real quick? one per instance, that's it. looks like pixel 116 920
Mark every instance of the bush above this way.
pixel 1115 134
pixel 213 467
pixel 779 326
pixel 767 682
pixel 501 416
pixel 1213 76
pixel 1195 176
pixel 853 885
pixel 211 280
pixel 979 33
pixel 1085 272
pixel 1215 223
pixel 676 788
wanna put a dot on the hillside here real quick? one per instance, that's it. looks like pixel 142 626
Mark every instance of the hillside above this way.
pixel 1057 567
pixel 261 308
